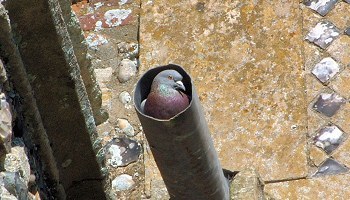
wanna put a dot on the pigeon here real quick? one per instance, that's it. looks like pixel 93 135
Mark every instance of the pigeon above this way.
pixel 166 98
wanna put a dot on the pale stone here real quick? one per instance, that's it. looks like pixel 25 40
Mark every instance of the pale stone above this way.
pixel 342 118
pixel 125 127
pixel 317 156
pixel 103 76
pixel 123 182
pixel 340 48
pixel 342 154
pixel 315 122
pixel 313 87
pixel 341 84
pixel 247 184
pixel 106 97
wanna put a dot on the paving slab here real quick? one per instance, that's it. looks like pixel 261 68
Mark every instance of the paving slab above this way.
pixel 246 61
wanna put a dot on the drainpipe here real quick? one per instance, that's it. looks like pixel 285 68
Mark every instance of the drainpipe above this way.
pixel 182 146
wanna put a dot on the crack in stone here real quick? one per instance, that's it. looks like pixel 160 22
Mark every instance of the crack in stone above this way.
pixel 286 180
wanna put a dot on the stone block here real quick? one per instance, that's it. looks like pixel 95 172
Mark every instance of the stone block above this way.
pixel 247 67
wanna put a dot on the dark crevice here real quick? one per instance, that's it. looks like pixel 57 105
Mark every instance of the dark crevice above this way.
pixel 285 180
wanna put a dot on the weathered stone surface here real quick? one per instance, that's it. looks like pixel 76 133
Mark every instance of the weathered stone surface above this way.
pixel 80 52
pixel 47 53
pixel 247 67
pixel 247 185
pixel 327 187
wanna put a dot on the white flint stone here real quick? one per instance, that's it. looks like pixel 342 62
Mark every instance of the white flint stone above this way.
pixel 116 158
pixel 323 34
pixel 332 135
pixel 326 69
pixel 123 182
pixel 94 40
pixel 317 32
pixel 316 5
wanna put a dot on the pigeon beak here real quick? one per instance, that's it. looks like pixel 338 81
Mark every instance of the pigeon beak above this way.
pixel 180 85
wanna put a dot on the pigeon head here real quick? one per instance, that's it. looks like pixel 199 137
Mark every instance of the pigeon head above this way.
pixel 170 78
pixel 166 98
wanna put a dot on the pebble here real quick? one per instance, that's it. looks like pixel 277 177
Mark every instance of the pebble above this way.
pixel 127 69
pixel 123 182
pixel 116 158
pixel 125 97
pixel 125 127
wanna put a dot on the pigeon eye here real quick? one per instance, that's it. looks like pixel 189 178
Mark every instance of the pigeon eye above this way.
pixel 170 77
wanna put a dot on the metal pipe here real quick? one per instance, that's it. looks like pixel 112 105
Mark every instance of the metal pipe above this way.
pixel 182 146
